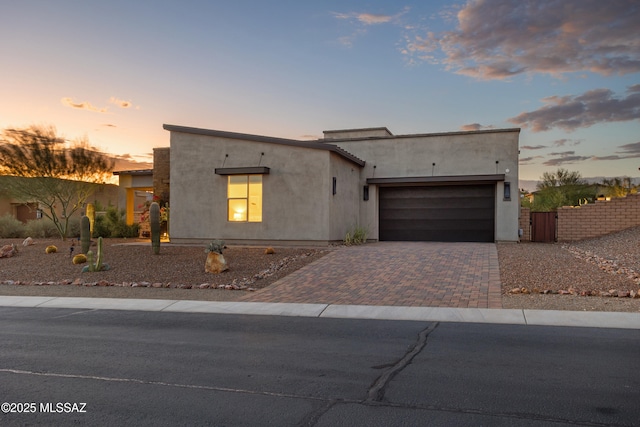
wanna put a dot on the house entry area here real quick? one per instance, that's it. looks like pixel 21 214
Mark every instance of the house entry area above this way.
pixel 443 213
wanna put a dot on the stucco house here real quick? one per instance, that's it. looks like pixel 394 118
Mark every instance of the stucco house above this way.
pixel 251 189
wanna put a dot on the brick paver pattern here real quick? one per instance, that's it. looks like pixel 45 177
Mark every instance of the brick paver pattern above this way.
pixel 418 274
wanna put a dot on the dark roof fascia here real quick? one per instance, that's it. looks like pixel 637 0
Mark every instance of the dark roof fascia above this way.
pixel 383 128
pixel 250 170
pixel 268 140
pixel 423 135
pixel 442 180
pixel 135 172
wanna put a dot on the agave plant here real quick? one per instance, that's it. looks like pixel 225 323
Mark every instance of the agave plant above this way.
pixel 215 246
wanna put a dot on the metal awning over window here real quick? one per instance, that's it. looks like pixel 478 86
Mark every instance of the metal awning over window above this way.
pixel 252 170
pixel 437 180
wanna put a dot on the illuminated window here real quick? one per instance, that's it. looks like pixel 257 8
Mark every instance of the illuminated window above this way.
pixel 244 198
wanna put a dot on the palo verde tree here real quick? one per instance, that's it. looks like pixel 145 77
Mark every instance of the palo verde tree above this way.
pixel 562 188
pixel 59 175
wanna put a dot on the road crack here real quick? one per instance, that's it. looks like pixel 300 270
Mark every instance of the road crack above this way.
pixel 377 390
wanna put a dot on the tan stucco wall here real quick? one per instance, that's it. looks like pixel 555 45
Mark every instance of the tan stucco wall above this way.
pixel 463 153
pixel 296 192
pixel 345 204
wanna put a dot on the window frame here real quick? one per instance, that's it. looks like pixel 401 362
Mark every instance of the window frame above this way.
pixel 246 199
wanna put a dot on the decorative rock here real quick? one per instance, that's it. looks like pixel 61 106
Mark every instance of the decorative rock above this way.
pixel 623 294
pixel 28 242
pixel 634 294
pixel 7 251
pixel 103 283
pixel 215 263
pixel 515 291
pixel 77 282
pixel 563 292
pixel 156 285
pixel 204 286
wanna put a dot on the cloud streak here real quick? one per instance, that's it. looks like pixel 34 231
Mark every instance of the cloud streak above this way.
pixel 120 103
pixel 68 102
pixel 363 20
pixel 475 126
pixel 498 39
pixel 570 113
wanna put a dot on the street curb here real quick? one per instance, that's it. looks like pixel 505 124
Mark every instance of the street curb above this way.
pixel 589 319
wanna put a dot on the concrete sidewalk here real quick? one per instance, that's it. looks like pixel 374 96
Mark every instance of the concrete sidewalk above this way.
pixel 426 314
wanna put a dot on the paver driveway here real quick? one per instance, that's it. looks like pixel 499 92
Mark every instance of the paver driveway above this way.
pixel 425 274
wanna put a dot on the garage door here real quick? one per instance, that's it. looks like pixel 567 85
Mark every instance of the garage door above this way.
pixel 451 213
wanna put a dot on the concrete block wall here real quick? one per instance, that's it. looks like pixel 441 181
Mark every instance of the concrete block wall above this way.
pixel 524 224
pixel 599 218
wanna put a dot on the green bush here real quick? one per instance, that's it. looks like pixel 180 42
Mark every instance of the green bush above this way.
pixel 113 224
pixel 73 231
pixel 11 227
pixel 41 228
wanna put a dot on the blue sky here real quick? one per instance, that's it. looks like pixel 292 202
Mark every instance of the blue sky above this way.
pixel 567 72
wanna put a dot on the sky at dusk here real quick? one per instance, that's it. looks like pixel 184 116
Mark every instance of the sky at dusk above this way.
pixel 565 71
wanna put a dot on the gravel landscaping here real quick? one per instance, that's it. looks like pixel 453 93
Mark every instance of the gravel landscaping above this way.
pixel 601 268
pixel 135 272
pixel 552 276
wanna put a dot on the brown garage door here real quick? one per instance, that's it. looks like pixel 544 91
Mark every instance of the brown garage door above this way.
pixel 451 213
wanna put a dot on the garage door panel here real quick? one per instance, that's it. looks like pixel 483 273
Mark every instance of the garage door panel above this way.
pixel 433 214
pixel 452 202
pixel 437 213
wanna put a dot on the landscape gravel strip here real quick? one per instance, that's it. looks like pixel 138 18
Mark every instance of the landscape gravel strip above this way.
pixel 600 265
pixel 535 266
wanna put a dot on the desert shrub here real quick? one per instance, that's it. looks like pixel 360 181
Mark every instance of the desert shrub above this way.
pixel 41 228
pixel 356 236
pixel 74 228
pixel 113 224
pixel 11 227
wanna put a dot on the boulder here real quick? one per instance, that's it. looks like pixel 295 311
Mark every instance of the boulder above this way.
pixel 7 251
pixel 215 263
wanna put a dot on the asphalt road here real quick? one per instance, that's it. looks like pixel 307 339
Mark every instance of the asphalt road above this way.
pixel 101 367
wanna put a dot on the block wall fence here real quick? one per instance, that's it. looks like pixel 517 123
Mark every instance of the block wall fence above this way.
pixel 590 220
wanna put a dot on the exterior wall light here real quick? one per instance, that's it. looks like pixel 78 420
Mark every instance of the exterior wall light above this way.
pixel 507 191
pixel 365 193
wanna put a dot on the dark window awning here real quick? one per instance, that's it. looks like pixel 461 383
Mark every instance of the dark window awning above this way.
pixel 437 180
pixel 251 170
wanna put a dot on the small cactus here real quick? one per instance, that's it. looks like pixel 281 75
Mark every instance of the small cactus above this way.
pixel 154 222
pixel 98 265
pixel 85 233
pixel 269 251
pixel 51 249
pixel 79 259
pixel 91 214
pixel 99 255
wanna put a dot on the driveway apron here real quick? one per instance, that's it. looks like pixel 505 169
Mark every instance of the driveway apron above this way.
pixel 418 274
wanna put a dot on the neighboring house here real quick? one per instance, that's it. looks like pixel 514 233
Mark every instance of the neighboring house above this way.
pixel 137 187
pixel 456 186
pixel 105 194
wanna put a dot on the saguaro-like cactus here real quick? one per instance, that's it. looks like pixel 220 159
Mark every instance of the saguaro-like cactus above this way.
pixel 91 213
pixel 85 233
pixel 154 222
pixel 98 266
